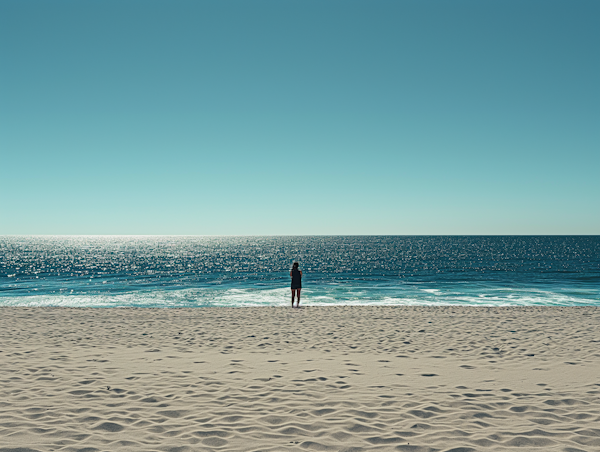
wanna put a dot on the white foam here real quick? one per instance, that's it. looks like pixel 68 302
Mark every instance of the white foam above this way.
pixel 323 296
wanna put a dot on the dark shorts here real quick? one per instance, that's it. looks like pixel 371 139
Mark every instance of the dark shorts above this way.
pixel 294 287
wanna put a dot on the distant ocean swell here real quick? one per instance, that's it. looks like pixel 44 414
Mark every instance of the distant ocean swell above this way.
pixel 254 271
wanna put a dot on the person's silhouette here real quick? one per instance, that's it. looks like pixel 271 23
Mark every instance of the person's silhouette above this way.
pixel 296 275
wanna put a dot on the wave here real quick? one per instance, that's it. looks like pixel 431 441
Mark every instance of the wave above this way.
pixel 330 295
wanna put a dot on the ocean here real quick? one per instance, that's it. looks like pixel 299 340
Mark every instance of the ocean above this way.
pixel 201 271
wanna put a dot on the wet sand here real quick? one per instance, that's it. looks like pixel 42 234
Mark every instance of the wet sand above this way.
pixel 318 378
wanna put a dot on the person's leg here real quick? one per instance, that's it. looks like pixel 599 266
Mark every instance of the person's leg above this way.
pixel 292 298
pixel 298 293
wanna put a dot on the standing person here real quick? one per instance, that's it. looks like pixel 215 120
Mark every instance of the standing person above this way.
pixel 296 275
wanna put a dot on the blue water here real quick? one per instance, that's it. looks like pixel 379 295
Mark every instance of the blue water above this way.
pixel 165 271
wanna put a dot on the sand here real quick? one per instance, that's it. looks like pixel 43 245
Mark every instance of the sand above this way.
pixel 318 378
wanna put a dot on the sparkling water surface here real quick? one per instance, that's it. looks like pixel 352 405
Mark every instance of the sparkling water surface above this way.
pixel 177 271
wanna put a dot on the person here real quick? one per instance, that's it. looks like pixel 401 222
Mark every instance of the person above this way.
pixel 296 275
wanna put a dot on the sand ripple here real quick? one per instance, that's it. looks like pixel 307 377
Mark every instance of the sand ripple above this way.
pixel 342 379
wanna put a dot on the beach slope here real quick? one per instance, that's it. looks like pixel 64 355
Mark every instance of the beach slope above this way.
pixel 317 378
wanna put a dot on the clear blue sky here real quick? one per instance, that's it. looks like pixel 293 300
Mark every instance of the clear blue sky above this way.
pixel 299 117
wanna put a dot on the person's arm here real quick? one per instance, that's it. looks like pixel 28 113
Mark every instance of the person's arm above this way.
pixel 290 273
pixel 300 273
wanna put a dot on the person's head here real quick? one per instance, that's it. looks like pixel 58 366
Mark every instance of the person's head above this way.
pixel 295 265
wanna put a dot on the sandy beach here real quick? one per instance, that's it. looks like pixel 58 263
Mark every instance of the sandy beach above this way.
pixel 317 378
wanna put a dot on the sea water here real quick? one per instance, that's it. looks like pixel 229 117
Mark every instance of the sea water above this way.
pixel 197 271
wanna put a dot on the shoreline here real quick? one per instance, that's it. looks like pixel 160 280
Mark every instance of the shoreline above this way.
pixel 418 378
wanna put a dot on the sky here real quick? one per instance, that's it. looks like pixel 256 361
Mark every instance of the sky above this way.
pixel 300 117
